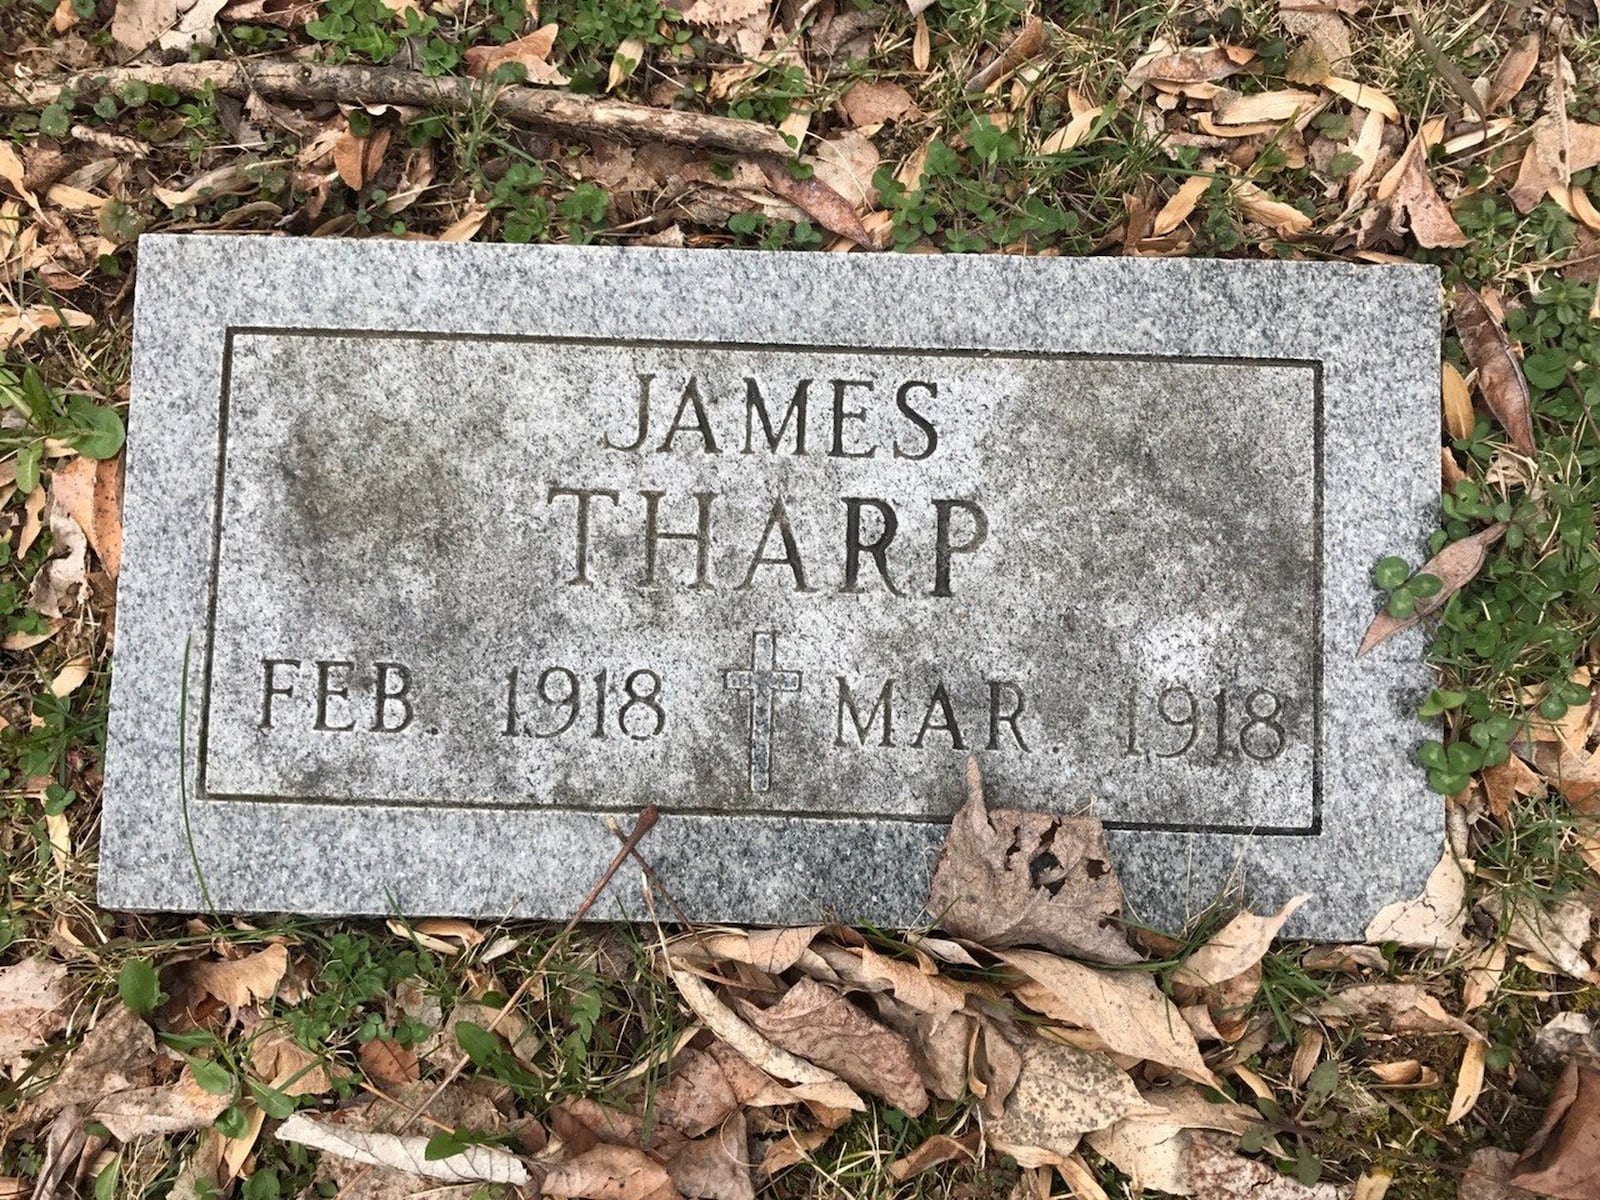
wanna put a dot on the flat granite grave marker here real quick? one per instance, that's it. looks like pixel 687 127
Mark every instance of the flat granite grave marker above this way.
pixel 467 548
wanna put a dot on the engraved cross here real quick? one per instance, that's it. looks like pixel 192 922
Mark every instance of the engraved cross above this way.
pixel 762 680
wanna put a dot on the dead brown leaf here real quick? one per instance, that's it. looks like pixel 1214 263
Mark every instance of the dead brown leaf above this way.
pixel 17 325
pixel 1218 1172
pixel 873 102
pixel 607 1172
pixel 1156 1149
pixel 137 23
pixel 821 1026
pixel 532 52
pixel 59 585
pixel 1125 1008
pixel 160 1110
pixel 1455 566
pixel 1061 1093
pixel 90 491
pixel 1394 1008
pixel 831 210
pixel 697 1096
pixel 1415 202
pixel 388 1062
pixel 1009 878
pixel 288 1067
pixel 937 1149
pixel 1431 921
pixel 716 1167
pixel 1562 1158
pixel 1166 63
pixel 33 1001
pixel 116 1055
pixel 1488 1177
pixel 1500 378
pixel 1456 402
pixel 237 982
pixel 358 159
pixel 1234 949
pixel 1558 149
pixel 1469 1081
pixel 1513 72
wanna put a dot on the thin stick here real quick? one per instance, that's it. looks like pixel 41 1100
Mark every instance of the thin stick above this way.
pixel 548 108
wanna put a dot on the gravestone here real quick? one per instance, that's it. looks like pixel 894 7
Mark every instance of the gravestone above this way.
pixel 440 556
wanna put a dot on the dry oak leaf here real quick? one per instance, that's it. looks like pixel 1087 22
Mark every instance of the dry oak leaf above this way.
pixel 1413 199
pixel 874 102
pixel 1396 1007
pixel 358 159
pixel 1008 878
pixel 715 1167
pixel 1562 1158
pixel 1558 149
pixel 1154 1148
pixel 821 1026
pixel 811 1082
pixel 17 325
pixel 137 23
pixel 937 1149
pixel 1500 378
pixel 91 492
pixel 239 981
pixel 1488 1177
pixel 59 585
pixel 159 1110
pixel 532 51
pixel 1234 949
pixel 32 1010
pixel 1125 1008
pixel 1455 566
pixel 1434 920
pixel 118 1054
pixel 697 1096
pixel 1061 1094
pixel 1166 63
pixel 486 1164
pixel 817 198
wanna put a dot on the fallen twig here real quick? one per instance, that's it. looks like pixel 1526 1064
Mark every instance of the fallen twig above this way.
pixel 547 108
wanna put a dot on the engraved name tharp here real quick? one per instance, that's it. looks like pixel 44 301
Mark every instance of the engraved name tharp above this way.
pixel 780 579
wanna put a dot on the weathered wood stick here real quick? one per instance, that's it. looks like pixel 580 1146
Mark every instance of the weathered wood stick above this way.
pixel 547 108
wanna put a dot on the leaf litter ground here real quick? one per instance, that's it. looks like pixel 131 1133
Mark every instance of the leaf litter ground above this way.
pixel 1035 1045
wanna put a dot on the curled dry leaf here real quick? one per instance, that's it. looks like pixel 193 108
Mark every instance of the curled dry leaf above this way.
pixel 486 1164
pixel 821 1085
pixel 1217 1172
pixel 1395 1007
pixel 1125 1008
pixel 821 1026
pixel 1155 1149
pixel 33 1001
pixel 940 1148
pixel 1500 378
pixel 160 1110
pixel 1556 931
pixel 137 23
pixel 1061 1093
pixel 1008 878
pixel 831 210
pixel 1513 72
pixel 17 325
pixel 1407 1073
pixel 286 1066
pixel 1176 210
pixel 1469 1081
pixel 60 584
pixel 1434 920
pixel 874 102
pixel 1456 402
pixel 1164 62
pixel 1455 566
pixel 238 982
pixel 1415 202
pixel 1234 949
pixel 1562 1158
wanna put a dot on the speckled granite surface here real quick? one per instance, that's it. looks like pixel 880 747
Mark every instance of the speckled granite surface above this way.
pixel 1107 523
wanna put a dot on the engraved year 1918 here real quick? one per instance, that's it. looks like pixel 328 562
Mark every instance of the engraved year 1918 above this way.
pixel 567 697
pixel 1203 726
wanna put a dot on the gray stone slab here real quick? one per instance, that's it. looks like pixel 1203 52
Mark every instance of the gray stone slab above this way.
pixel 471 548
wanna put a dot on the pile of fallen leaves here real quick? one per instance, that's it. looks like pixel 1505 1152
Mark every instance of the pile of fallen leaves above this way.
pixel 1035 1027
